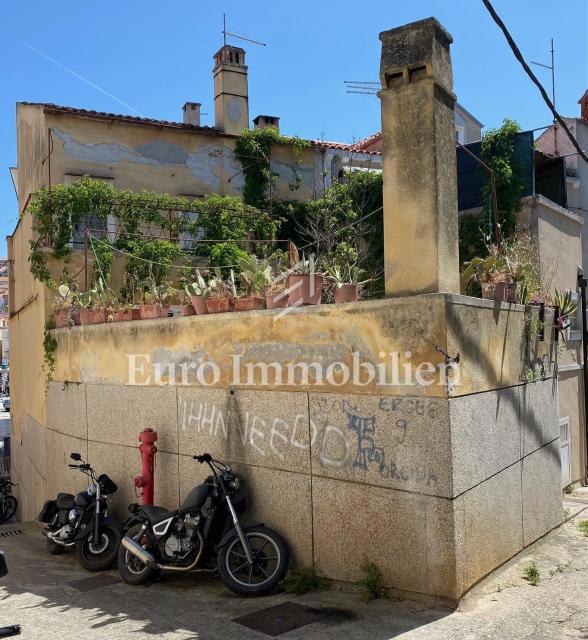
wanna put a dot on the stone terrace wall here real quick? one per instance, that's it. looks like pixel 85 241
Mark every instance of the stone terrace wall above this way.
pixel 437 489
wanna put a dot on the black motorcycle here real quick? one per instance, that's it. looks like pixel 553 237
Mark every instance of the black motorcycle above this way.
pixel 204 535
pixel 83 521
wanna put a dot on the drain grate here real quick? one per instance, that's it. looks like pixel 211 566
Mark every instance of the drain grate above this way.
pixel 274 621
pixel 12 532
pixel 94 582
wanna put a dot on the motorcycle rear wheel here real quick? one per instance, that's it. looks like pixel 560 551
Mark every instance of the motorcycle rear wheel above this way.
pixel 102 556
pixel 270 555
pixel 7 508
pixel 131 569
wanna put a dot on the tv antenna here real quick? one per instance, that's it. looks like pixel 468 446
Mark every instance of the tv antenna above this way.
pixel 369 88
pixel 552 69
pixel 234 35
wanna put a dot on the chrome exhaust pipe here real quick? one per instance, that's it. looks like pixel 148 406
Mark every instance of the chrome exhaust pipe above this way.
pixel 52 537
pixel 142 554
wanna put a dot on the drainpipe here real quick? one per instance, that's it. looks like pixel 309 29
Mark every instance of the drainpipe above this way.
pixel 582 283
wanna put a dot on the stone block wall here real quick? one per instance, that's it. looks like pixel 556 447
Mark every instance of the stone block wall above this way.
pixel 436 491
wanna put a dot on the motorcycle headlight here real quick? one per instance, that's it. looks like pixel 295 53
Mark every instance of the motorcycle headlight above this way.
pixel 236 483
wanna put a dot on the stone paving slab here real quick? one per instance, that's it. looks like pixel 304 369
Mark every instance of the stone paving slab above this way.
pixel 38 594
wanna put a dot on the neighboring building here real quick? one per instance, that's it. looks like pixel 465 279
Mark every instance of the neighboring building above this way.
pixel 467 129
pixel 560 232
pixel 555 143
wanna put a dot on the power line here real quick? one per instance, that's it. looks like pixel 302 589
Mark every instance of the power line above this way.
pixel 519 56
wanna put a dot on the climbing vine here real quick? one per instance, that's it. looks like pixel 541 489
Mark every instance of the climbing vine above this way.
pixel 254 150
pixel 498 152
pixel 49 348
pixel 61 209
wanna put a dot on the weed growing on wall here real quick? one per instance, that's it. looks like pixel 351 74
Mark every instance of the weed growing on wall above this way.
pixel 372 582
pixel 304 580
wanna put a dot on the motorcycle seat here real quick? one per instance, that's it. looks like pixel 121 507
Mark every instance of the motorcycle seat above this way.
pixel 154 514
pixel 64 501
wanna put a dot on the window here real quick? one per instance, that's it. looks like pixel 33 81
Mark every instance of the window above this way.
pixel 565 453
pixel 574 331
pixel 98 226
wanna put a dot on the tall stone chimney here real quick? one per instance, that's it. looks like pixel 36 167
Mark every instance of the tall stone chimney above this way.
pixel 583 102
pixel 231 95
pixel 191 111
pixel 419 160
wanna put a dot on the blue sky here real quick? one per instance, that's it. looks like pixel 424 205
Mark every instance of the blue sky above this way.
pixel 155 55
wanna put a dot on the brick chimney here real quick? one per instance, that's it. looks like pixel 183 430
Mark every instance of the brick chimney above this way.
pixel 192 113
pixel 583 102
pixel 231 93
pixel 261 122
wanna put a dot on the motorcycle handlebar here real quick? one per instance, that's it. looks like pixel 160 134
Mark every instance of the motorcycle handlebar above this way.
pixel 205 457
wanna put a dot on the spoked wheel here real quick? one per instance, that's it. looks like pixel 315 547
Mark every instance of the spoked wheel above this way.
pixel 270 561
pixel 101 554
pixel 8 506
pixel 131 569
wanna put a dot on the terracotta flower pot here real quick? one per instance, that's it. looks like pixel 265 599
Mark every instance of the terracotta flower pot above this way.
pixel 305 289
pixel 123 316
pixel 162 311
pixel 218 305
pixel 277 300
pixel 505 292
pixel 62 318
pixel 149 311
pixel 187 310
pixel 347 293
pixel 199 304
pixel 487 291
pixel 92 316
pixel 249 303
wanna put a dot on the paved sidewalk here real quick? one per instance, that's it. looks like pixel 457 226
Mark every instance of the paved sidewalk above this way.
pixel 52 598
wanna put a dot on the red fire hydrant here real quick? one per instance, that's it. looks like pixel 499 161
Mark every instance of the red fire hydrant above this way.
pixel 146 481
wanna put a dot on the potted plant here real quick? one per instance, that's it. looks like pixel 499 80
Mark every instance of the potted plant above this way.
pixel 198 291
pixel 347 281
pixel 565 310
pixel 305 285
pixel 155 299
pixel 277 295
pixel 255 276
pixel 221 294
pixel 91 311
pixel 186 307
pixel 64 305
pixel 124 312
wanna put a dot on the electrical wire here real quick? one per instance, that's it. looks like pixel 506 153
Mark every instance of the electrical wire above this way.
pixel 519 56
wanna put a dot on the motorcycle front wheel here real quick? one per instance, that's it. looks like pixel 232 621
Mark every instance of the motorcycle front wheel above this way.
pixel 270 561
pixel 101 555
pixel 131 569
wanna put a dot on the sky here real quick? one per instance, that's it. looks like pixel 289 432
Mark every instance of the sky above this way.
pixel 148 57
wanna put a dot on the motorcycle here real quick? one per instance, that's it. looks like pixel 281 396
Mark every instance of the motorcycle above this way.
pixel 8 503
pixel 83 521
pixel 204 535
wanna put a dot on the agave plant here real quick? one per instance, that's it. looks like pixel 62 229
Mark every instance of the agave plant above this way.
pixel 567 307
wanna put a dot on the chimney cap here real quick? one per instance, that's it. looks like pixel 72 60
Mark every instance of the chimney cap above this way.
pixel 265 119
pixel 191 105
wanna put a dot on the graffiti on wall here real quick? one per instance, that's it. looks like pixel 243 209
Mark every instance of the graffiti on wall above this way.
pixel 340 436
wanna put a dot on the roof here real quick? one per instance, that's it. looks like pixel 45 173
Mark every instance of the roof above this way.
pixel 51 108
pixel 342 146
pixel 469 115
pixel 102 115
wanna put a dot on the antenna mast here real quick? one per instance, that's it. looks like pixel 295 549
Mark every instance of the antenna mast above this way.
pixel 234 35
